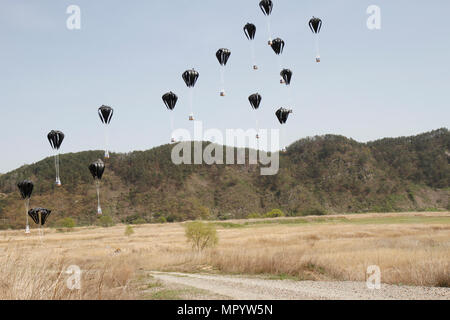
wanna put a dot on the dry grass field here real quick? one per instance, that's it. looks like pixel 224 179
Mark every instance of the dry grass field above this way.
pixel 410 249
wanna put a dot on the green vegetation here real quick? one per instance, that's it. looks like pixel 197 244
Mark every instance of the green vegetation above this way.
pixel 105 221
pixel 129 230
pixel 201 235
pixel 67 223
pixel 275 213
pixel 318 176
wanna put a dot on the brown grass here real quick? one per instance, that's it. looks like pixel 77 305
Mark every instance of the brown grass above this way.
pixel 411 249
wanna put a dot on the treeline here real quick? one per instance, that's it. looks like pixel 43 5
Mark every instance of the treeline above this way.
pixel 319 175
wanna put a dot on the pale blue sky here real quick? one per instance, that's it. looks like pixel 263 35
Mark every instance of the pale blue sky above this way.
pixel 370 84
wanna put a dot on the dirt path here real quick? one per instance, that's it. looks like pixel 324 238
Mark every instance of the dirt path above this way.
pixel 241 288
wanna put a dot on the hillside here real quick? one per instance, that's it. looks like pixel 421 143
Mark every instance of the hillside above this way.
pixel 320 175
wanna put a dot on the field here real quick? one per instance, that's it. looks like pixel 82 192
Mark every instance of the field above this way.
pixel 410 248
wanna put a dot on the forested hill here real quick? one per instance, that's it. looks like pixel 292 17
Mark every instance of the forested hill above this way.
pixel 320 175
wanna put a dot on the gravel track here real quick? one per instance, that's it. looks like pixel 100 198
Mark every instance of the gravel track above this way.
pixel 242 288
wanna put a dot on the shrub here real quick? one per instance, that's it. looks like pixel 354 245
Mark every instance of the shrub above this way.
pixel 313 212
pixel 201 235
pixel 129 230
pixel 275 213
pixel 161 220
pixel 139 221
pixel 253 216
pixel 67 223
pixel 105 221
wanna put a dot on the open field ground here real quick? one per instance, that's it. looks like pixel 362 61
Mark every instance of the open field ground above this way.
pixel 411 249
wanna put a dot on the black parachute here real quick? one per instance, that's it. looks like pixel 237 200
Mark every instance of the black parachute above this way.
pixel 97 168
pixel 25 188
pixel 283 115
pixel 315 24
pixel 105 113
pixel 286 75
pixel 277 46
pixel 255 100
pixel 170 100
pixel 223 55
pixel 250 31
pixel 190 77
pixel 55 138
pixel 39 215
pixel 266 7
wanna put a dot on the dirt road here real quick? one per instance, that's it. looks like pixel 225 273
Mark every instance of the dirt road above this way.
pixel 241 288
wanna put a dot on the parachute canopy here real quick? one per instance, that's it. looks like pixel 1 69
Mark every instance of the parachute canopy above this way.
pixel 286 74
pixel 36 212
pixel 255 100
pixel 315 24
pixel 278 45
pixel 97 168
pixel 190 77
pixel 55 138
pixel 266 7
pixel 105 113
pixel 25 188
pixel 250 31
pixel 170 100
pixel 223 55
pixel 283 115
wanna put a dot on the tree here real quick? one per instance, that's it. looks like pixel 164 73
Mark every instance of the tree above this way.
pixel 201 235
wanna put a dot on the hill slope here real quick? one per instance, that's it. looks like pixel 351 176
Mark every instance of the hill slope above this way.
pixel 327 174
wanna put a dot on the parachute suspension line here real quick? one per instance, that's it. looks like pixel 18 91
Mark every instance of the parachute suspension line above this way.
pixel 172 138
pixel 191 102
pixel 282 142
pixel 269 29
pixel 57 168
pixel 280 66
pixel 40 227
pixel 252 46
pixel 257 131
pixel 106 141
pixel 58 180
pixel 317 48
pixel 222 80
pixel 97 185
pixel 27 208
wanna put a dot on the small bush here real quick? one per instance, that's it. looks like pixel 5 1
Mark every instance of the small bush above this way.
pixel 161 220
pixel 275 213
pixel 313 212
pixel 105 221
pixel 129 230
pixel 139 221
pixel 253 216
pixel 201 235
pixel 67 223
